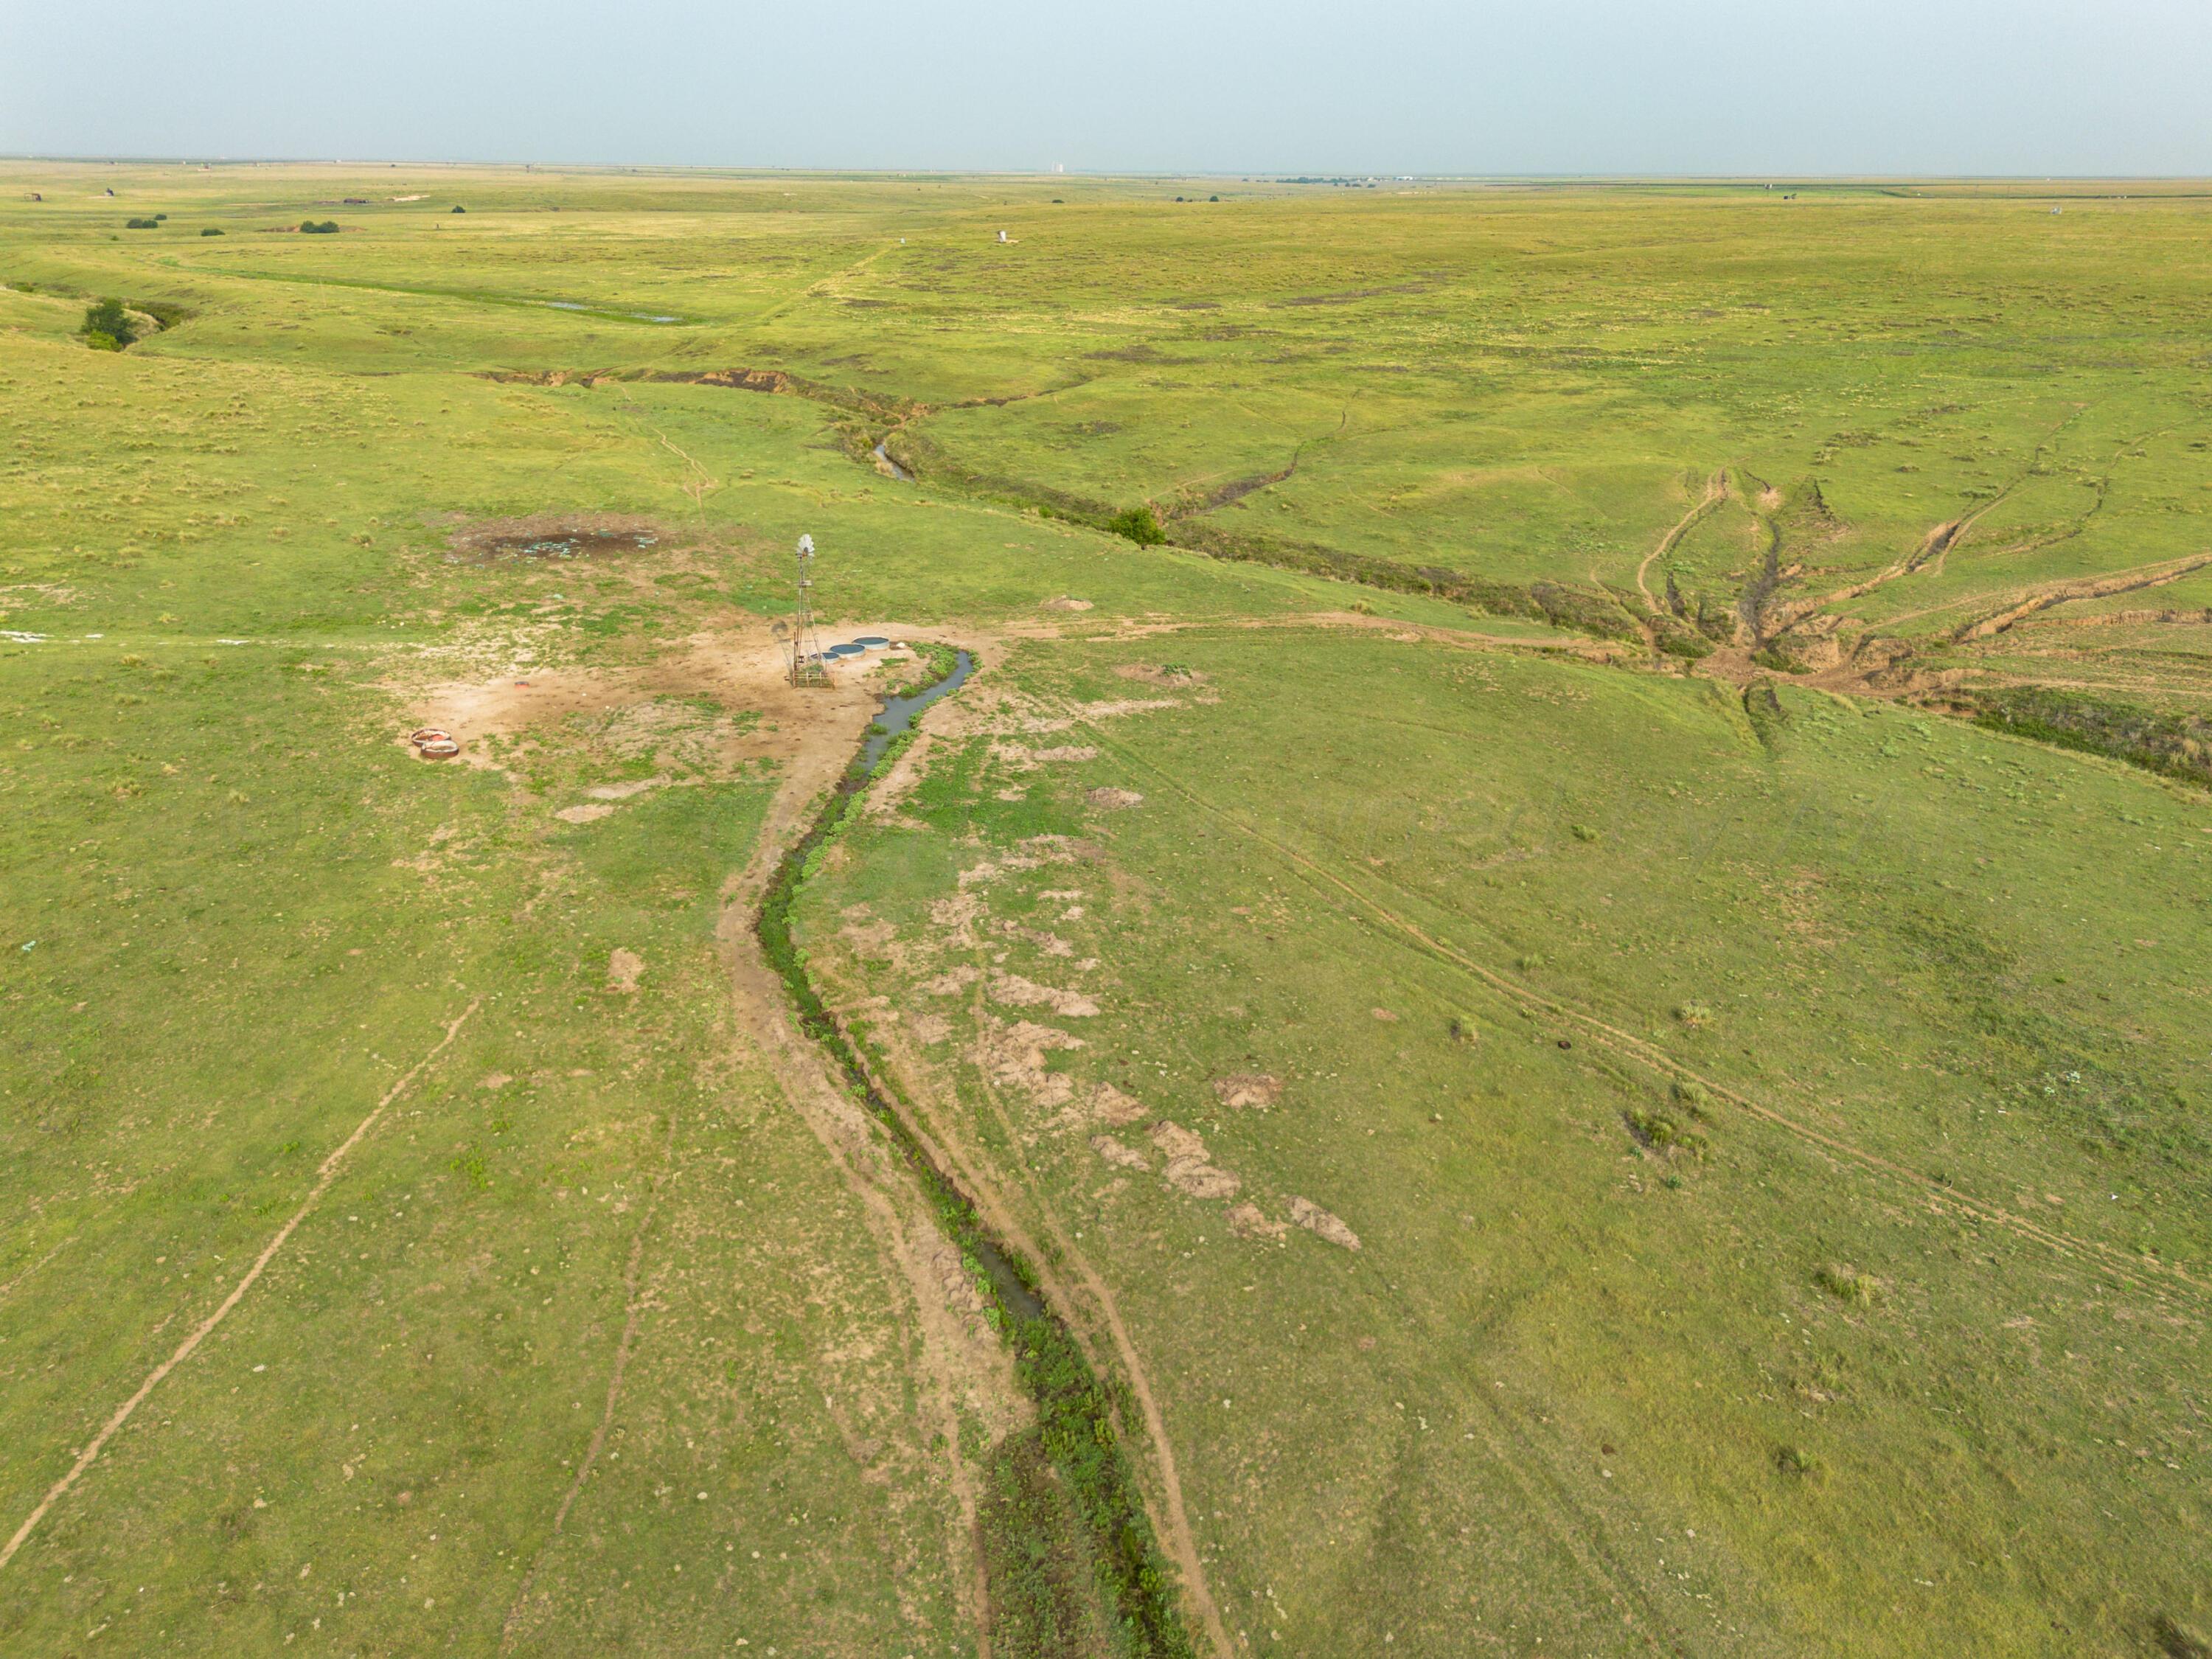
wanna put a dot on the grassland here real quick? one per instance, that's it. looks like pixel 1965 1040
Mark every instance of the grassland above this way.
pixel 1585 999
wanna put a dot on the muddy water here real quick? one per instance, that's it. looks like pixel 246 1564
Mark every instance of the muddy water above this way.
pixel 897 472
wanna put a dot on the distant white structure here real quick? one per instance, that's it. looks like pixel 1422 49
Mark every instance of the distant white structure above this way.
pixel 1004 237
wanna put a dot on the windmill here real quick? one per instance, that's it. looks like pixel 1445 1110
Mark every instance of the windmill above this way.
pixel 807 667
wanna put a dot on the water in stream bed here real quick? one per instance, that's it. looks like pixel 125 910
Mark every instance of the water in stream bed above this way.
pixel 900 712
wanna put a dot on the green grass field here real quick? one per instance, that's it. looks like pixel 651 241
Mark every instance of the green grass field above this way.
pixel 1583 999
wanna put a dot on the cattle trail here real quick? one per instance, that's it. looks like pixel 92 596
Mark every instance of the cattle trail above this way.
pixel 324 1175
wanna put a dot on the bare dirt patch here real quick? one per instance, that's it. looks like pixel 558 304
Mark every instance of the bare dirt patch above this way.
pixel 1189 1170
pixel 1111 1106
pixel 1012 991
pixel 1122 1156
pixel 1013 1057
pixel 1251 1091
pixel 1168 674
pixel 590 813
pixel 1114 801
pixel 1316 1220
pixel 712 704
pixel 561 535
pixel 1246 1221
pixel 1020 757
pixel 624 969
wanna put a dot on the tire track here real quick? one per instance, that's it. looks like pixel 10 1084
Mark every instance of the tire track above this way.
pixel 2138 1273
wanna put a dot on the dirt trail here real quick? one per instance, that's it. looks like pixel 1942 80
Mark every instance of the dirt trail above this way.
pixel 2142 1273
pixel 987 1187
pixel 1716 493
pixel 956 1369
pixel 324 1175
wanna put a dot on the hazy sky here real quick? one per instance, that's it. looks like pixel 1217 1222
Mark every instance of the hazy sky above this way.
pixel 1235 86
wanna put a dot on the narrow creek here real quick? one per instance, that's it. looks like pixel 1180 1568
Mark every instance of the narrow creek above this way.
pixel 1078 1413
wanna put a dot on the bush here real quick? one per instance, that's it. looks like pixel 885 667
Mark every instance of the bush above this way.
pixel 310 228
pixel 1792 1460
pixel 105 320
pixel 2178 744
pixel 1695 1015
pixel 158 217
pixel 1662 1133
pixel 1138 525
pixel 458 208
pixel 140 224
pixel 209 230
pixel 1847 1284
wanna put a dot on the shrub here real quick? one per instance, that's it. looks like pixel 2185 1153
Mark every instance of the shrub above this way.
pixel 1695 1015
pixel 1795 1461
pixel 1691 1097
pixel 311 227
pixel 1138 525
pixel 211 230
pixel 140 224
pixel 158 217
pixel 1846 1283
pixel 1660 1132
pixel 105 321
pixel 458 208
pixel 2177 745
pixel 1583 832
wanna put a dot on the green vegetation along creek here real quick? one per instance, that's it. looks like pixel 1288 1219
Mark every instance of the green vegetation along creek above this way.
pixel 1545 994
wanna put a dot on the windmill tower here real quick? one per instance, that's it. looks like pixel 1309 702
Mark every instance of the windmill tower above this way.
pixel 807 667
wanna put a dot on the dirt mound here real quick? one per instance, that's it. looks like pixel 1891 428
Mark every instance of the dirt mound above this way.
pixel 1114 1107
pixel 1189 1170
pixel 557 535
pixel 1014 1058
pixel 1012 991
pixel 1123 1157
pixel 1246 1221
pixel 1316 1220
pixel 1165 673
pixel 1256 1091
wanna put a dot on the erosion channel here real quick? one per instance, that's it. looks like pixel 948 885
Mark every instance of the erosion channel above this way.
pixel 1037 1602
